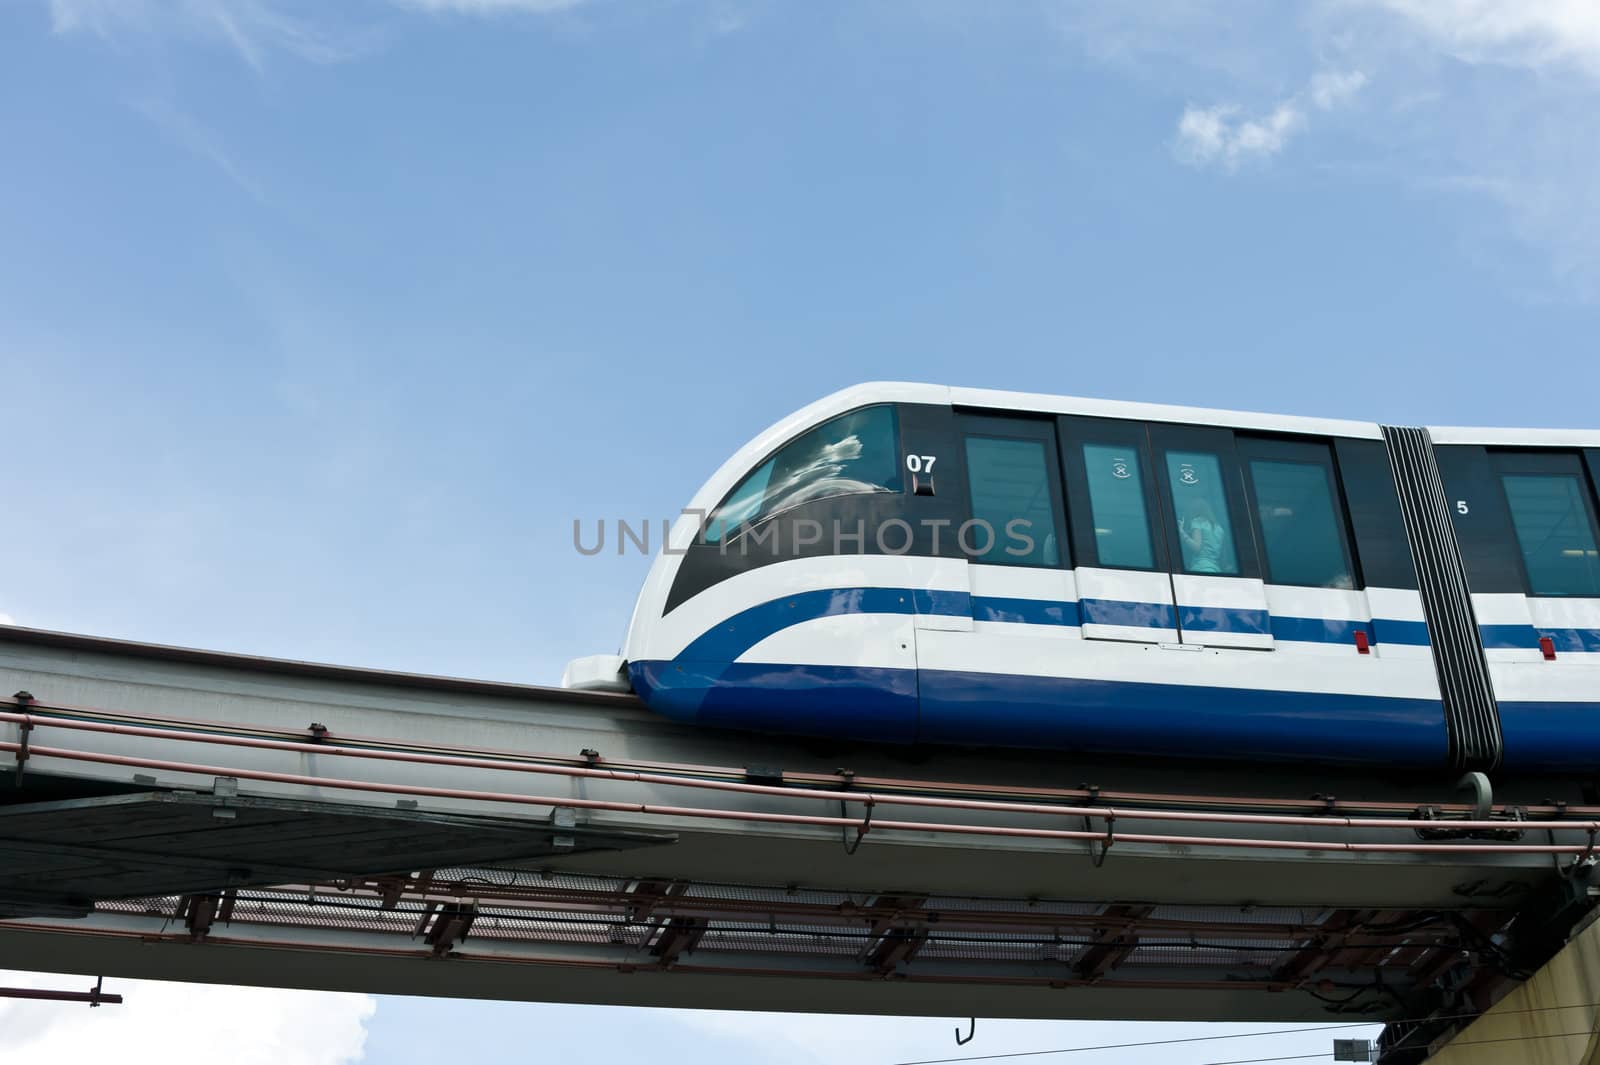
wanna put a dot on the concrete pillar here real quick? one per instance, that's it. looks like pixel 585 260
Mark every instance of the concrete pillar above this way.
pixel 1553 1019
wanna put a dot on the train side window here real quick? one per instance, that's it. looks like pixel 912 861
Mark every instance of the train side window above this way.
pixel 1200 503
pixel 854 454
pixel 1117 506
pixel 1302 531
pixel 1555 530
pixel 1013 503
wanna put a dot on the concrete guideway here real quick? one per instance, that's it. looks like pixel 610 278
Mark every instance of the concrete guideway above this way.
pixel 651 774
pixel 578 841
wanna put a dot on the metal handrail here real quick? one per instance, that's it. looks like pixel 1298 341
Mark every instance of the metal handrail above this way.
pixel 1104 813
pixel 845 783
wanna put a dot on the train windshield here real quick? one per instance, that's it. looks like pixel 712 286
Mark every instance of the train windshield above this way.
pixel 853 454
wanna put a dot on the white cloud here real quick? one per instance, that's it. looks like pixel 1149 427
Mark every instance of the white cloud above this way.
pixel 95 16
pixel 1514 124
pixel 724 17
pixel 1208 135
pixel 252 28
pixel 1220 136
pixel 1523 33
pixel 163 1023
pixel 1539 207
pixel 7 619
pixel 1496 101
pixel 256 29
pixel 1331 88
pixel 189 134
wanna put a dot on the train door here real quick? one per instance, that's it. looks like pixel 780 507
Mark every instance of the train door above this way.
pixel 991 683
pixel 1217 589
pixel 1015 539
pixel 1122 580
pixel 1317 604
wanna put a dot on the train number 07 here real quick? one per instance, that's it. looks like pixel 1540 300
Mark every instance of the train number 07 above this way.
pixel 920 463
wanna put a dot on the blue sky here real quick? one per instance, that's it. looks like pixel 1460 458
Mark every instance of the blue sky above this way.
pixel 320 324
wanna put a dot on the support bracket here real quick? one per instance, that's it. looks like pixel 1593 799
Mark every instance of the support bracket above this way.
pixel 24 732
pixel 861 830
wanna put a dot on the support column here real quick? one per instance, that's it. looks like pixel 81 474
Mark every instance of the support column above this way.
pixel 1552 1019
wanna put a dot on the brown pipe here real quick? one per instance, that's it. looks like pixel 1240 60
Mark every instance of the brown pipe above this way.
pixel 1105 813
pixel 1592 812
pixel 796 819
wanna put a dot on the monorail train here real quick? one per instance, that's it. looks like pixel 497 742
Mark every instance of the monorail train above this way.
pixel 913 563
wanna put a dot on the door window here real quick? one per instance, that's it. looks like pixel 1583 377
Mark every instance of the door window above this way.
pixel 1551 516
pixel 1117 506
pixel 1015 520
pixel 1302 532
pixel 1200 509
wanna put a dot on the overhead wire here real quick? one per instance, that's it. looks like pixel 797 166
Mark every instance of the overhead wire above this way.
pixel 1589 1033
pixel 1271 1032
pixel 1141 1044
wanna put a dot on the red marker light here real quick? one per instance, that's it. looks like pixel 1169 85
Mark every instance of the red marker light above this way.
pixel 1361 642
pixel 1547 647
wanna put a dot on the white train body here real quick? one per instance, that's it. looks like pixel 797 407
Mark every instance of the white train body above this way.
pixel 925 564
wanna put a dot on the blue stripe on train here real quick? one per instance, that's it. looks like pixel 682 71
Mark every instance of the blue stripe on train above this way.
pixel 1026 611
pixel 1223 619
pixel 1496 637
pixel 1573 639
pixel 938 601
pixel 731 638
pixel 1332 630
pixel 847 702
pixel 1389 630
pixel 1207 619
pixel 1133 615
pixel 1058 713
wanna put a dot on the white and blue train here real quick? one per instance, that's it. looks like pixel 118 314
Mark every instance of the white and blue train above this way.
pixel 912 563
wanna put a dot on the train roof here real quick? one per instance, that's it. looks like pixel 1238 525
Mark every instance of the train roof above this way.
pixel 992 399
pixel 846 399
pixel 996 399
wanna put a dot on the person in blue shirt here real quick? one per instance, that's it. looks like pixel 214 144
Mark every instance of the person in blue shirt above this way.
pixel 1204 538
